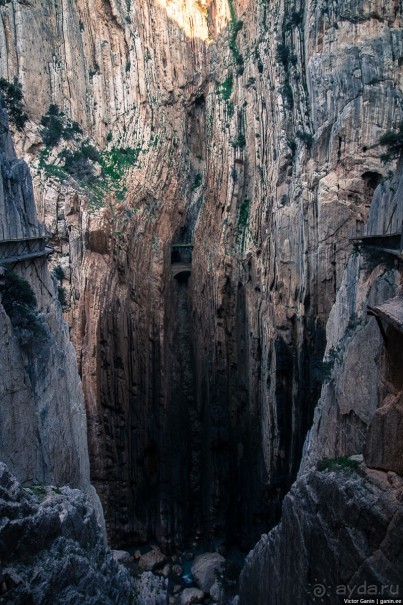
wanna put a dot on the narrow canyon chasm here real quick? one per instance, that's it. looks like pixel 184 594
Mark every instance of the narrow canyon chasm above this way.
pixel 211 324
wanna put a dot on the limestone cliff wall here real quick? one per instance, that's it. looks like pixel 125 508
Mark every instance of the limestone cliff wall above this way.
pixel 360 377
pixel 339 538
pixel 359 412
pixel 52 549
pixel 258 126
pixel 43 425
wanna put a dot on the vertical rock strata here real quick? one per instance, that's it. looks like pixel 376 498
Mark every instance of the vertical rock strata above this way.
pixel 256 126
pixel 344 522
pixel 43 423
pixel 339 538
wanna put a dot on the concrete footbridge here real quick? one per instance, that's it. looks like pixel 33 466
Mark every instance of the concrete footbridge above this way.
pixel 181 259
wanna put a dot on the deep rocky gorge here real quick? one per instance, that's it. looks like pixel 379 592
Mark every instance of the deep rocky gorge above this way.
pixel 250 130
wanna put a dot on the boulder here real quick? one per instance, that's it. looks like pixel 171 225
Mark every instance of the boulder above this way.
pixel 177 570
pixel 216 592
pixel 191 595
pixel 205 569
pixel 152 559
pixel 121 556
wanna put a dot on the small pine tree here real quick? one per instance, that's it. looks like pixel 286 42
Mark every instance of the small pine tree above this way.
pixel 11 93
pixel 393 141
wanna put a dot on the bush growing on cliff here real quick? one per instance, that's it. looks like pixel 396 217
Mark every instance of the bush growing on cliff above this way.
pixel 61 295
pixel 57 126
pixel 337 464
pixel 52 126
pixel 119 159
pixel 235 28
pixel 77 164
pixel 283 54
pixel 16 290
pixel 12 96
pixel 58 272
pixel 224 90
pixel 324 369
pixel 19 302
pixel 393 141
pixel 305 137
pixel 197 181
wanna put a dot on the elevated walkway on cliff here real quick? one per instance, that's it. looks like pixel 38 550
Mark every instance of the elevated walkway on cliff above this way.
pixel 387 243
pixel 391 312
pixel 181 259
pixel 23 249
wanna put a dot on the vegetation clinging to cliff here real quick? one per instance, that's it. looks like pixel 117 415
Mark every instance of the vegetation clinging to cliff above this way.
pixel 19 302
pixel 393 141
pixel 57 126
pixel 236 27
pixel 98 172
pixel 11 93
pixel 338 464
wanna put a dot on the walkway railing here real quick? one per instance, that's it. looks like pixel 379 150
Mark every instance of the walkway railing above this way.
pixel 391 243
pixel 18 250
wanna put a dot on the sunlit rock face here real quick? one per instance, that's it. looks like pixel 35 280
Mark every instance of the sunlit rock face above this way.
pixel 257 127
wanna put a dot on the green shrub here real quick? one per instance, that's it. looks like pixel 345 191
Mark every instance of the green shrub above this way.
pixel 77 165
pixel 52 124
pixel 295 20
pixel 235 28
pixel 119 159
pixel 224 90
pixel 286 91
pixel 19 302
pixel 283 54
pixel 393 141
pixel 324 369
pixel 239 142
pixel 61 295
pixel 58 272
pixel 337 464
pixel 16 290
pixel 14 102
pixel 56 126
pixel 305 137
pixel 91 152
pixel 243 217
pixel 293 148
pixel 37 490
pixel 197 181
